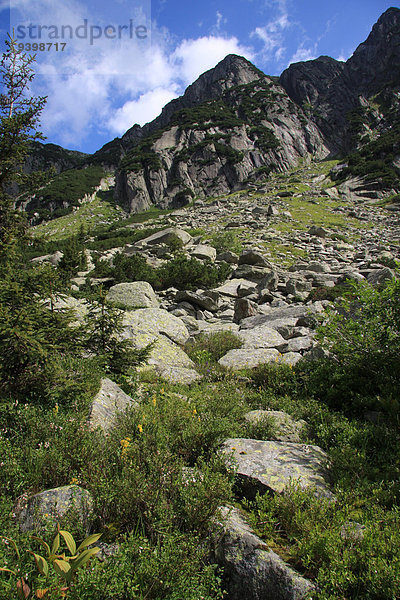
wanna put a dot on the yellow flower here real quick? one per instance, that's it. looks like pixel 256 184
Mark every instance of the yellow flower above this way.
pixel 154 400
pixel 194 412
pixel 140 427
pixel 74 481
pixel 56 409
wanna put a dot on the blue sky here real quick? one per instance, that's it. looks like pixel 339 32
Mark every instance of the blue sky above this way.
pixel 144 53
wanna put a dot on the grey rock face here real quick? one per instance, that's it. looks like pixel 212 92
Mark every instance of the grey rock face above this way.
pixel 53 506
pixel 263 466
pixel 108 402
pixel 138 294
pixel 251 569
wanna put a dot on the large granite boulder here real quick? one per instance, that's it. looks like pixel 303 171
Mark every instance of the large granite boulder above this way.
pixel 248 358
pixel 108 402
pixel 203 252
pixel 251 570
pixel 262 337
pixel 155 321
pixel 165 236
pixel 55 506
pixel 137 294
pixel 272 466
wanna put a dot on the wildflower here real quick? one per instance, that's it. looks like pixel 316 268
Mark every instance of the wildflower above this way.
pixel 194 412
pixel 74 481
pixel 154 400
pixel 125 444
pixel 140 427
pixel 56 409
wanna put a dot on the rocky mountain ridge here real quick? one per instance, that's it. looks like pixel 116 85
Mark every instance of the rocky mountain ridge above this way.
pixel 234 125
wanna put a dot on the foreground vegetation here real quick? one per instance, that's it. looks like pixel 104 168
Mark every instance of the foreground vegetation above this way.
pixel 158 487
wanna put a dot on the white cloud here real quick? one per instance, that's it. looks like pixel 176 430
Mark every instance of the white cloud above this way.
pixel 119 82
pixel 272 34
pixel 302 54
pixel 193 57
pixel 144 109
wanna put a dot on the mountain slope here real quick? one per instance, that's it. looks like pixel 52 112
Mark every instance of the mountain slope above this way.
pixel 235 124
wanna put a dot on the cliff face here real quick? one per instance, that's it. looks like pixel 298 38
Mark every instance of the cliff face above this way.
pixel 234 124
pixel 231 124
pixel 368 83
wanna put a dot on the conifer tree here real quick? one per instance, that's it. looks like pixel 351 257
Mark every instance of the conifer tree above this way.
pixel 19 118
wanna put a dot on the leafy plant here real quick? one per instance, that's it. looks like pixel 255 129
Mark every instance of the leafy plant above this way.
pixel 64 566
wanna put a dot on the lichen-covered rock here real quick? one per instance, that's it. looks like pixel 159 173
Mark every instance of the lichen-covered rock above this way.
pixel 251 570
pixel 108 402
pixel 263 466
pixel 179 375
pixel 286 428
pixel 252 257
pixel 55 506
pixel 262 337
pixel 155 321
pixel 248 358
pixel 137 294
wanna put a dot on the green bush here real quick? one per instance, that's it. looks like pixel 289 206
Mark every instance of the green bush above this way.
pixel 190 273
pixel 210 348
pixel 362 333
pixel 226 240
pixel 345 559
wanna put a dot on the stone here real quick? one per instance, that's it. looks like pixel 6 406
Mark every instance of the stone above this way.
pixel 166 235
pixel 286 428
pixel 238 359
pixel 251 272
pixel 262 337
pixel 380 276
pixel 108 402
pixel 229 257
pixel 299 343
pixel 54 506
pixel 277 313
pixel 137 294
pixel 164 354
pixel 318 231
pixel 251 570
pixel 289 358
pixel 231 287
pixel 209 301
pixel 243 309
pixel 271 466
pixel 180 375
pixel 270 281
pixel 252 257
pixel 53 259
pixel 204 252
pixel 155 321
